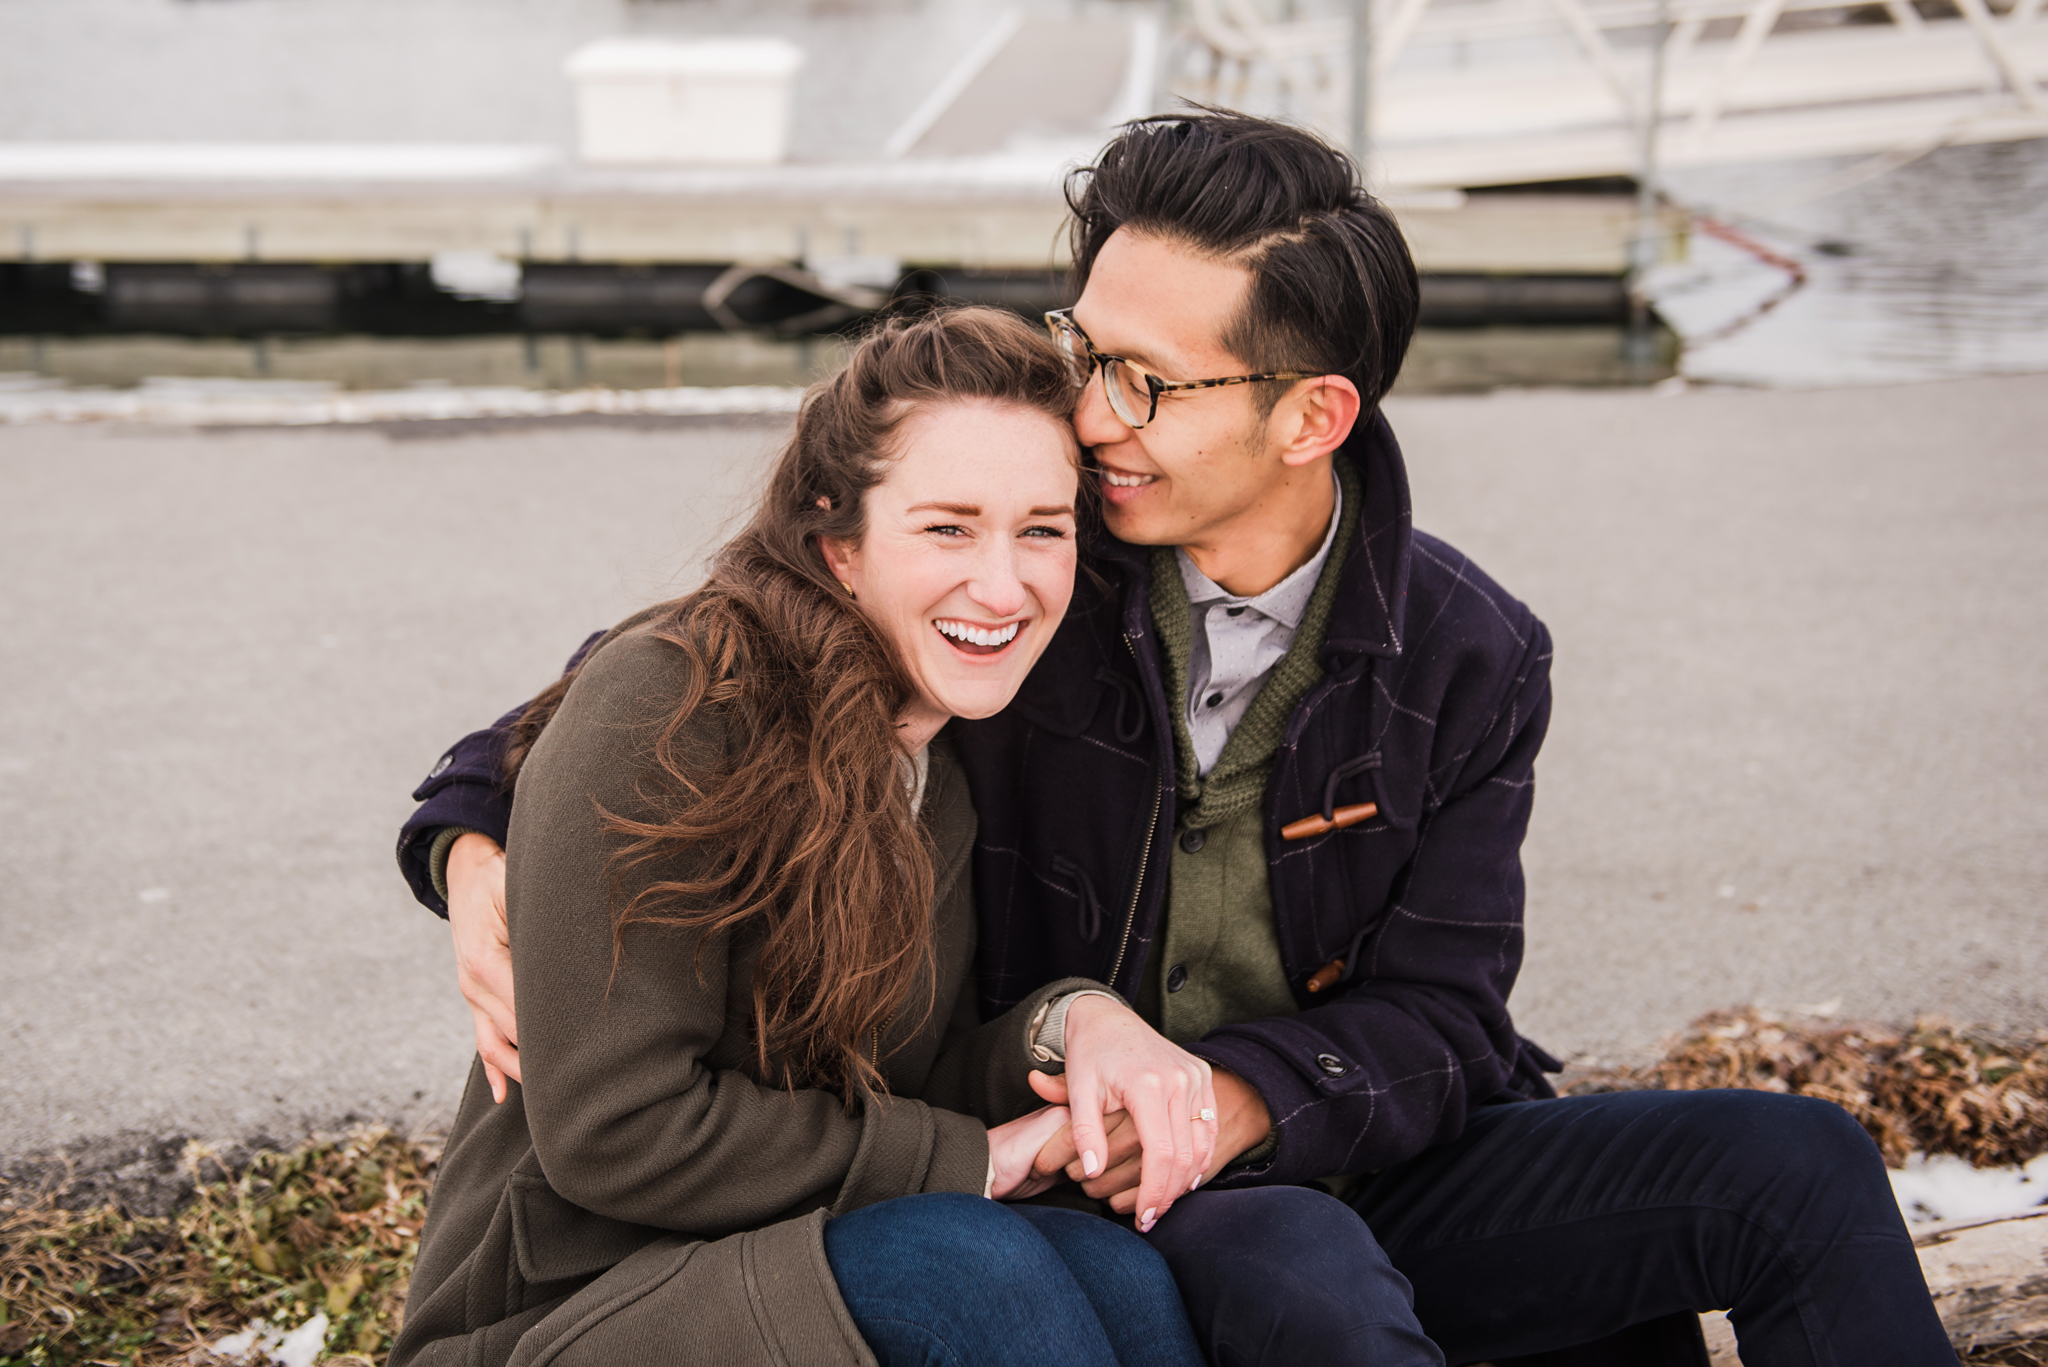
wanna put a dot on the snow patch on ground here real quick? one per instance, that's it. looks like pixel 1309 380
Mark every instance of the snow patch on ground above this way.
pixel 1945 1187
pixel 264 1343
pixel 293 403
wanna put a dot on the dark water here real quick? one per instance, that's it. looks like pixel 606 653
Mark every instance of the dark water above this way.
pixel 1442 360
pixel 387 363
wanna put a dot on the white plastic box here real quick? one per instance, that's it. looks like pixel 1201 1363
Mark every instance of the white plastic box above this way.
pixel 714 101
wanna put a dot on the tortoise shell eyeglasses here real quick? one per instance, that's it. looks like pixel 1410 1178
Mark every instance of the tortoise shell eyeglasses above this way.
pixel 1133 391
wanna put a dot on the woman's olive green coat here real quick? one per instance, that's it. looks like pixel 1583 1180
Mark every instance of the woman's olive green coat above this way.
pixel 644 1197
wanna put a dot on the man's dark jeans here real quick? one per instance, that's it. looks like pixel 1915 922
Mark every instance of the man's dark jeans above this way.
pixel 1553 1223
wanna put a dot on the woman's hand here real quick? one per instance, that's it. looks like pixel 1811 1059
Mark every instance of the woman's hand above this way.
pixel 1116 1062
pixel 483 952
pixel 1013 1147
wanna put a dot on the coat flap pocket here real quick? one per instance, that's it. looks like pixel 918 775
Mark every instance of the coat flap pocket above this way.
pixel 555 1240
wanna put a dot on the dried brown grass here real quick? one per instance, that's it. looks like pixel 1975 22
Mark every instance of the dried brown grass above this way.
pixel 2032 1353
pixel 332 1226
pixel 1934 1088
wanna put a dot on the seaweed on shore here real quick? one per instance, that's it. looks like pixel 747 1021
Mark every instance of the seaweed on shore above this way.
pixel 1934 1088
pixel 331 1227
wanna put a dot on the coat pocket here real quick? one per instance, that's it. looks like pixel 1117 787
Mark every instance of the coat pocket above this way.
pixel 555 1240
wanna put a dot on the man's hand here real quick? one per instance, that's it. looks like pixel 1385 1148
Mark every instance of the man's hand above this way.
pixel 1242 1121
pixel 1012 1147
pixel 1116 1062
pixel 483 953
pixel 1242 1124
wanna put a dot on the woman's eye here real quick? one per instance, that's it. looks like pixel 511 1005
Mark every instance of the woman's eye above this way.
pixel 1054 533
pixel 947 529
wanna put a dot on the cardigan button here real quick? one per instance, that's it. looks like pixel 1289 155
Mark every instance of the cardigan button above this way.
pixel 1193 838
pixel 1178 978
pixel 1331 1064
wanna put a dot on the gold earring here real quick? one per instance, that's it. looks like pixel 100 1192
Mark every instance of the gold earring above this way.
pixel 849 590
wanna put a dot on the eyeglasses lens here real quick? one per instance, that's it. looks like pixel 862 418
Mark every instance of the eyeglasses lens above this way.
pixel 1075 350
pixel 1129 396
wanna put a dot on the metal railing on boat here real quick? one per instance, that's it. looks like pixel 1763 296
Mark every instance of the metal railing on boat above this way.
pixel 1476 92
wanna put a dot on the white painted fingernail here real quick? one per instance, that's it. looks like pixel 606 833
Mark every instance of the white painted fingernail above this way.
pixel 1090 1164
pixel 1151 1217
pixel 1196 1183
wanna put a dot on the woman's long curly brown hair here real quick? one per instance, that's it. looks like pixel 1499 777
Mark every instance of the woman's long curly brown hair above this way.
pixel 810 831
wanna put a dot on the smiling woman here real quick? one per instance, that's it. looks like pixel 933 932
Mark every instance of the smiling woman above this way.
pixel 967 559
pixel 758 1112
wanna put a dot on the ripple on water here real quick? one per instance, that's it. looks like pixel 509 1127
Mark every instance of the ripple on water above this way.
pixel 1936 269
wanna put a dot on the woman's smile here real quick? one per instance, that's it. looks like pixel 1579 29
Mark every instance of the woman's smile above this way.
pixel 969 639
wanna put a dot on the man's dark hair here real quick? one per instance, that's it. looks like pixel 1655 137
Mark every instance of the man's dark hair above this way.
pixel 1333 287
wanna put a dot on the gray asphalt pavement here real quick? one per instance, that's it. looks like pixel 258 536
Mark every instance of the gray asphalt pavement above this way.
pixel 1796 754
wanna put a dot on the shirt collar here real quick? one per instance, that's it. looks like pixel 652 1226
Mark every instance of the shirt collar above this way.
pixel 1287 600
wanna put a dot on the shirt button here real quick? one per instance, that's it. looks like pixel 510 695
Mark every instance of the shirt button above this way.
pixel 1213 700
pixel 1331 1064
pixel 1178 978
pixel 1193 839
pixel 1233 612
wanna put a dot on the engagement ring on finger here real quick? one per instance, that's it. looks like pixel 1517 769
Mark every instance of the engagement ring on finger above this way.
pixel 1206 1113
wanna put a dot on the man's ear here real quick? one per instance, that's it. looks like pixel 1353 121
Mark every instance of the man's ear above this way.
pixel 1315 418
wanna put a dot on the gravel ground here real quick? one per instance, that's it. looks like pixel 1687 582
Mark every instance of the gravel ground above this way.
pixel 1795 754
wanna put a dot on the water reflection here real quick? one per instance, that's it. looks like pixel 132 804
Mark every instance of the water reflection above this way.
pixel 1935 269
pixel 1442 360
pixel 712 360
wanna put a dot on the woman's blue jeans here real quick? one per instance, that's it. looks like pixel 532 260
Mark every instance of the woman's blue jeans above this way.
pixel 946 1280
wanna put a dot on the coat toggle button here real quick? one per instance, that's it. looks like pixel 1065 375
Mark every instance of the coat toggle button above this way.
pixel 1177 978
pixel 1331 1064
pixel 1193 838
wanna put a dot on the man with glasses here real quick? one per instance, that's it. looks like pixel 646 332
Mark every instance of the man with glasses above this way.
pixel 1267 787
pixel 1132 391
